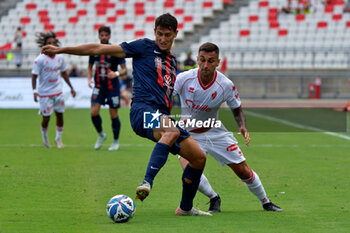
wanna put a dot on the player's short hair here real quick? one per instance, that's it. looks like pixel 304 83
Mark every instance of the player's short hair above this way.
pixel 166 21
pixel 42 37
pixel 209 47
pixel 104 29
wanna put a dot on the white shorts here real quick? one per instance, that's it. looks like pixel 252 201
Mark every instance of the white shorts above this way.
pixel 221 144
pixel 47 104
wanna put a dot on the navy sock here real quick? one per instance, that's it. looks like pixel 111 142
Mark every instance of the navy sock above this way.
pixel 189 188
pixel 157 160
pixel 116 127
pixel 97 121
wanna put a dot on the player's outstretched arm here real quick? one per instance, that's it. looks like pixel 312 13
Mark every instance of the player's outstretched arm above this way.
pixel 86 49
pixel 241 122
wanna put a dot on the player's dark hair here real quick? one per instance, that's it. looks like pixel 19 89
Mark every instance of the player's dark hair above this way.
pixel 42 37
pixel 209 47
pixel 104 29
pixel 166 21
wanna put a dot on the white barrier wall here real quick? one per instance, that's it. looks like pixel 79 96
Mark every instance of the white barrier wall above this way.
pixel 18 93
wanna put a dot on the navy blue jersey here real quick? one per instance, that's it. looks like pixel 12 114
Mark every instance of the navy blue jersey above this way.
pixel 154 73
pixel 103 65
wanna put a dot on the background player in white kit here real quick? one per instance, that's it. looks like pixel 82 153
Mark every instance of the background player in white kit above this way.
pixel 202 92
pixel 49 69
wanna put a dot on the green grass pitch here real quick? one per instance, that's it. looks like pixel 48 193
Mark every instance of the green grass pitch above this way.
pixel 66 190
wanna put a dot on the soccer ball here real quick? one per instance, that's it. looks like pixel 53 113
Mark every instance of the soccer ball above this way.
pixel 120 208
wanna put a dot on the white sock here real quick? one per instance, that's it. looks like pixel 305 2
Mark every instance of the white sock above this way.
pixel 255 186
pixel 205 188
pixel 44 132
pixel 59 131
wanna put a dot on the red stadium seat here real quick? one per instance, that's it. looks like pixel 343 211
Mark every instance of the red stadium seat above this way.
pixel 45 20
pixel 49 27
pixel 112 19
pixel 329 9
pixel 244 33
pixel 139 12
pixel 300 17
pixel 139 33
pixel 348 24
pixel 128 26
pixel 282 32
pixel 30 6
pixel 180 26
pixel 227 1
pixel 101 11
pixel 60 34
pixel 169 4
pixel 70 5
pixel 188 18
pixel 97 26
pixel 207 4
pixel 73 20
pixel 322 24
pixel 150 19
pixel 138 5
pixel 274 24
pixel 85 1
pixel 81 12
pixel 120 12
pixel 42 13
pixel 263 4
pixel 25 20
pixel 179 11
pixel 253 18
pixel 337 17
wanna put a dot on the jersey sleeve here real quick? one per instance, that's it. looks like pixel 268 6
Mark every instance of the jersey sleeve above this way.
pixel 121 61
pixel 63 65
pixel 36 66
pixel 134 48
pixel 178 84
pixel 91 60
pixel 232 98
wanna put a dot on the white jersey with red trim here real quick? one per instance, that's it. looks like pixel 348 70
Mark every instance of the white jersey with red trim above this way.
pixel 202 102
pixel 49 71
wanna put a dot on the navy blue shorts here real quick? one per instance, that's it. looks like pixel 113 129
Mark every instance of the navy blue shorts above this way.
pixel 103 96
pixel 137 119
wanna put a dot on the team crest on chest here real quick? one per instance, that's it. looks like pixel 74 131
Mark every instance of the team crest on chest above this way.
pixel 213 95
pixel 191 90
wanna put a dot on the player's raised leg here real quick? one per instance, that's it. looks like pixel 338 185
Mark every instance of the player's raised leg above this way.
pixel 191 176
pixel 166 138
pixel 97 122
pixel 205 188
pixel 253 183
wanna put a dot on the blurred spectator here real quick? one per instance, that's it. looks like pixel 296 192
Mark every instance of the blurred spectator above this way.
pixel 18 46
pixel 298 7
pixel 189 63
pixel 75 72
pixel 347 6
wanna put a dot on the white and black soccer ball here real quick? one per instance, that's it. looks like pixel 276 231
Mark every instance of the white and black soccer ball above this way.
pixel 120 208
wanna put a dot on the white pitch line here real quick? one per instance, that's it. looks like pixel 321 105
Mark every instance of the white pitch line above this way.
pixel 296 125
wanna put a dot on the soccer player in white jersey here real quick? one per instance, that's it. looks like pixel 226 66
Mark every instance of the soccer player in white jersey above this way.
pixel 202 92
pixel 49 69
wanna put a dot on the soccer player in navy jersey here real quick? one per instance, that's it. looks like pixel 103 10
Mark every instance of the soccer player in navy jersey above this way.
pixel 106 89
pixel 154 71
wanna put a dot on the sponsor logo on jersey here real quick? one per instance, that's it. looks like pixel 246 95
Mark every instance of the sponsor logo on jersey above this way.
pixel 191 90
pixel 213 95
pixel 204 108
